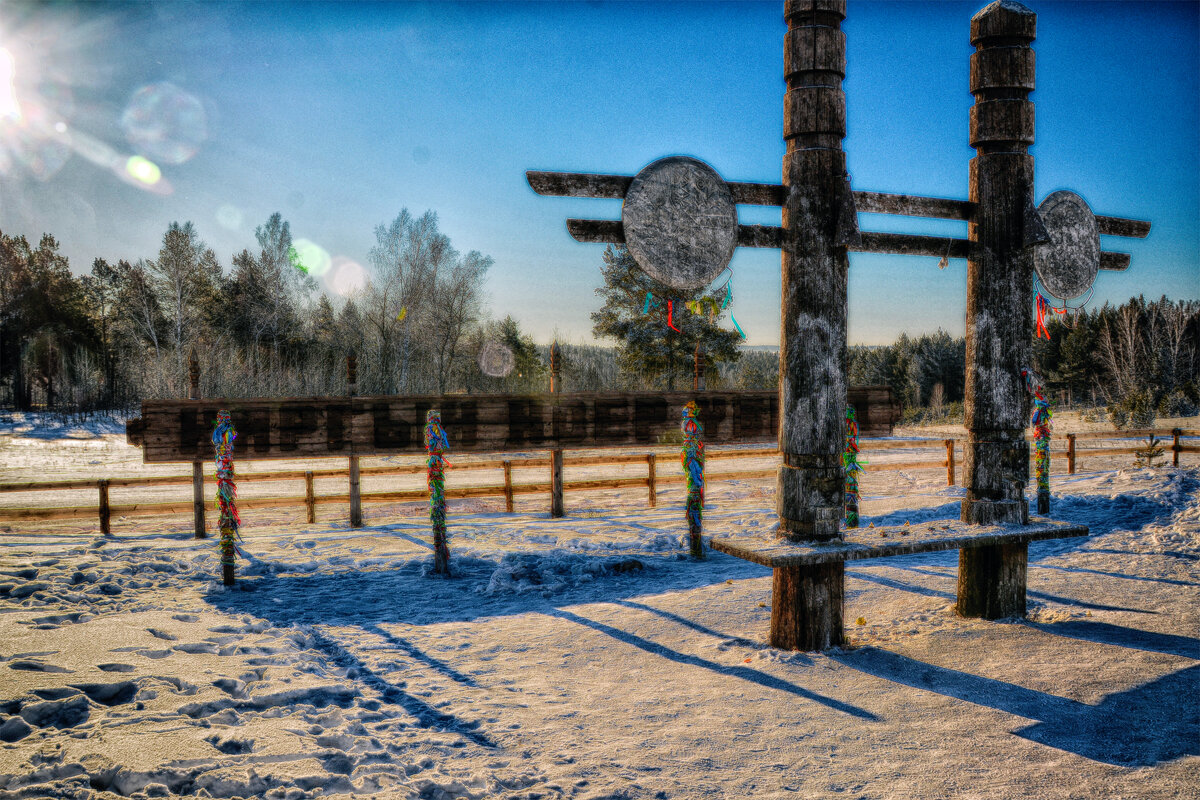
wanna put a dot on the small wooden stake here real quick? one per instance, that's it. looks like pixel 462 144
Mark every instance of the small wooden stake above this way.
pixel 556 456
pixel 508 489
pixel 991 581
pixel 198 499
pixel 949 462
pixel 651 478
pixel 104 510
pixel 1070 453
pixel 807 606
pixel 310 497
pixel 356 518
pixel 197 466
pixel 1175 447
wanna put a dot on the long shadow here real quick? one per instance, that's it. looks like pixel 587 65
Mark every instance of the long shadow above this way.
pixel 1171 553
pixel 1140 727
pixel 425 715
pixel 687 623
pixel 925 590
pixel 1106 633
pixel 743 673
pixel 415 653
pixel 1170 581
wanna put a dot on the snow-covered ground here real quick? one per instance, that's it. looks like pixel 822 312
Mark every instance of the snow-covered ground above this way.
pixel 587 657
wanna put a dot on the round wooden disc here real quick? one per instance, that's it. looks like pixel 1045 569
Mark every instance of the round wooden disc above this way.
pixel 1068 264
pixel 680 222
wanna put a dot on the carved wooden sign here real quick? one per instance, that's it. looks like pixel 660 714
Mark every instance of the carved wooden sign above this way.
pixel 1068 263
pixel 181 430
pixel 680 222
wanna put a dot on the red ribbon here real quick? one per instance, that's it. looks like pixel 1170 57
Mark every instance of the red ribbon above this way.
pixel 670 324
pixel 1042 307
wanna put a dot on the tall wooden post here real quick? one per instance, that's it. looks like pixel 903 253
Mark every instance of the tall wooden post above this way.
pixel 556 456
pixel 812 349
pixel 698 370
pixel 812 353
pixel 105 513
pixel 355 492
pixel 1175 433
pixel 197 466
pixel 1070 454
pixel 999 265
pixel 991 580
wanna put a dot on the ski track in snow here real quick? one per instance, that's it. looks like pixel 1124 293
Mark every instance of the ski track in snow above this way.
pixel 588 657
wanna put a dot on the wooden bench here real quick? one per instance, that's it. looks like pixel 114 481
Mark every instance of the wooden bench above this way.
pixel 809 577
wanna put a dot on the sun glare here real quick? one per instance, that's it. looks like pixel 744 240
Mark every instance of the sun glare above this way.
pixel 8 95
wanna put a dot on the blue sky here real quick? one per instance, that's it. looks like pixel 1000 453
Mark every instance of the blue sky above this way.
pixel 340 115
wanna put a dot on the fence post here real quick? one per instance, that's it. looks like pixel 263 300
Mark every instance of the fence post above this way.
pixel 104 511
pixel 508 492
pixel 197 466
pixel 1175 446
pixel 949 462
pixel 310 496
pixel 356 520
pixel 693 465
pixel 651 459
pixel 1070 454
pixel 556 456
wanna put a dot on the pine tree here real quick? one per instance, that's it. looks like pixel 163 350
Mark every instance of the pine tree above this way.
pixel 658 343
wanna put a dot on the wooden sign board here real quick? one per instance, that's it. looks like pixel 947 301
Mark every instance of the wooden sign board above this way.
pixel 296 427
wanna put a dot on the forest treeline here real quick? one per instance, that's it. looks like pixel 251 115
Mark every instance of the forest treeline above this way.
pixel 124 332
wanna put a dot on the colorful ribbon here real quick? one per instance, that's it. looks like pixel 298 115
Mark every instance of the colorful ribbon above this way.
pixel 228 521
pixel 436 445
pixel 852 467
pixel 692 459
pixel 1042 414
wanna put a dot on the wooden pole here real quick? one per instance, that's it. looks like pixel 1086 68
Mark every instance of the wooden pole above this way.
pixel 1176 432
pixel 556 456
pixel 999 266
pixel 104 508
pixel 197 466
pixel 806 608
pixel 508 489
pixel 812 349
pixel 1070 453
pixel 949 462
pixel 693 466
pixel 310 497
pixel 356 519
pixel 991 581
pixel 651 479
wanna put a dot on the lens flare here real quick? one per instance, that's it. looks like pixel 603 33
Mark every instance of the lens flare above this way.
pixel 165 123
pixel 347 276
pixel 312 256
pixel 496 360
pixel 143 170
pixel 229 217
pixel 9 107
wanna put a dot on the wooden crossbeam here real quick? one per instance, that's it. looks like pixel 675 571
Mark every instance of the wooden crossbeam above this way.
pixel 613 187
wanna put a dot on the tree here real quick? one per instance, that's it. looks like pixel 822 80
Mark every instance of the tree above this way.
pixel 101 288
pixel 184 275
pixel 408 255
pixel 646 343
pixel 457 307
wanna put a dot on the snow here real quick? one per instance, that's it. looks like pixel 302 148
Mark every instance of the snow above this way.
pixel 588 657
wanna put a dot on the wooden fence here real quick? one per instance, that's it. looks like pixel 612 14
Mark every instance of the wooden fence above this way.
pixel 105 509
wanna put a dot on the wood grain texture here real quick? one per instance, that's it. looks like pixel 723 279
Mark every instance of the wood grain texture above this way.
pixel 893 540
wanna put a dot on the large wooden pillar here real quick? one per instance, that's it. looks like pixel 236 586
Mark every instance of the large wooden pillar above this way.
pixel 999 266
pixel 812 351
pixel 807 609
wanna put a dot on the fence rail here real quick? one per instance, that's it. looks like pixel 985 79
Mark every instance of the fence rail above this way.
pixel 105 510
